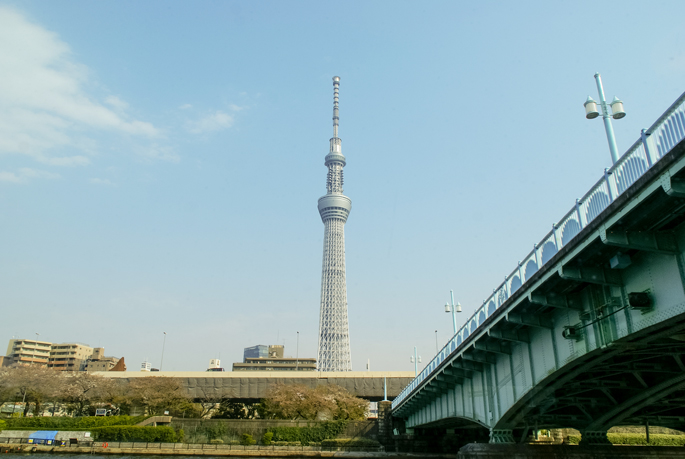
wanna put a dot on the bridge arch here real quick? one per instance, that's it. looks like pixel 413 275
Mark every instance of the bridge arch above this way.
pixel 639 402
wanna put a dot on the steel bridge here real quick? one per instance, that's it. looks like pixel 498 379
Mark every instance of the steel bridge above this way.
pixel 588 331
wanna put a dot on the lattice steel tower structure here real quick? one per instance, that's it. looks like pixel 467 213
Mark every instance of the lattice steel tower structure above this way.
pixel 334 207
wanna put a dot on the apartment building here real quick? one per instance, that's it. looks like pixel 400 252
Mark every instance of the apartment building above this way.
pixel 63 356
pixel 28 352
pixel 71 356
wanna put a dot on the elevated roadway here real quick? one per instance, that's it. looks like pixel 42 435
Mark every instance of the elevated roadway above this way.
pixel 247 386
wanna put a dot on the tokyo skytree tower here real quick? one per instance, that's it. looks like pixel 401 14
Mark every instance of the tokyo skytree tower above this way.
pixel 334 207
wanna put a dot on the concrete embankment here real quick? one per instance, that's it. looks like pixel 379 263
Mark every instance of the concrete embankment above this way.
pixel 471 451
pixel 220 450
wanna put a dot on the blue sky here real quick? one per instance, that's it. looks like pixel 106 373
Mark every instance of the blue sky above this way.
pixel 161 161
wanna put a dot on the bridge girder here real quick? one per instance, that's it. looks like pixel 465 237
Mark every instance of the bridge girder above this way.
pixel 650 241
pixel 514 336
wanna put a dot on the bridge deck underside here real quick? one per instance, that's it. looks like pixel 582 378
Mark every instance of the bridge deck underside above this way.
pixel 624 365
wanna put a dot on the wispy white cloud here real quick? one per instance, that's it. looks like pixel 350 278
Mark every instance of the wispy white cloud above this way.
pixel 158 153
pixel 99 181
pixel 185 106
pixel 25 174
pixel 116 103
pixel 216 121
pixel 44 105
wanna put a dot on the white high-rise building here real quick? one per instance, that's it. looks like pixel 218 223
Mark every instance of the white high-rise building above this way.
pixel 334 207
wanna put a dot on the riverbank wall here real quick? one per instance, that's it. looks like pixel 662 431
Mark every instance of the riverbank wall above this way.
pixel 257 427
pixel 185 449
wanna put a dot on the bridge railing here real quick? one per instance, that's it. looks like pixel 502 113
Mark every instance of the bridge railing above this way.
pixel 652 145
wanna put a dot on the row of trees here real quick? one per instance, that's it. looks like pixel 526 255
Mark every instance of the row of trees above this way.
pixel 81 393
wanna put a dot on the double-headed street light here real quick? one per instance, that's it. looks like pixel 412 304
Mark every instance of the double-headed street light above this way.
pixel 617 113
pixel 415 359
pixel 454 309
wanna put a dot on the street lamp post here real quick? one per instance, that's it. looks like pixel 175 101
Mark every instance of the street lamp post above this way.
pixel 297 353
pixel 436 342
pixel 616 113
pixel 161 363
pixel 415 359
pixel 454 309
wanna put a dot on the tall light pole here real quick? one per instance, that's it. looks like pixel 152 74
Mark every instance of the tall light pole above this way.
pixel 454 309
pixel 436 342
pixel 297 353
pixel 161 363
pixel 415 359
pixel 616 113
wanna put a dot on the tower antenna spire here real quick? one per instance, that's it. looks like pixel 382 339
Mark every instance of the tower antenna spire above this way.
pixel 336 118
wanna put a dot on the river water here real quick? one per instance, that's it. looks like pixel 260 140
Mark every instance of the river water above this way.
pixel 115 456
pixel 124 456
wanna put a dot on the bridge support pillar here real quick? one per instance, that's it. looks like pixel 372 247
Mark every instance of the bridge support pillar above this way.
pixel 502 436
pixel 594 437
pixel 385 422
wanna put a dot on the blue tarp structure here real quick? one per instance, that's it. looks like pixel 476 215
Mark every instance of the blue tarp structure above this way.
pixel 43 437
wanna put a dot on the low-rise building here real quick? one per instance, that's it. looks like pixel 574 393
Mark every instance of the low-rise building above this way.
pixel 274 364
pixel 270 358
pixel 261 351
pixel 99 362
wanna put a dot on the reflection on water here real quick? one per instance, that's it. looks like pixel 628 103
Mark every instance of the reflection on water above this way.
pixel 122 456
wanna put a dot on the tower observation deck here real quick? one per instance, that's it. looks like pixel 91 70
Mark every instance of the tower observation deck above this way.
pixel 334 207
